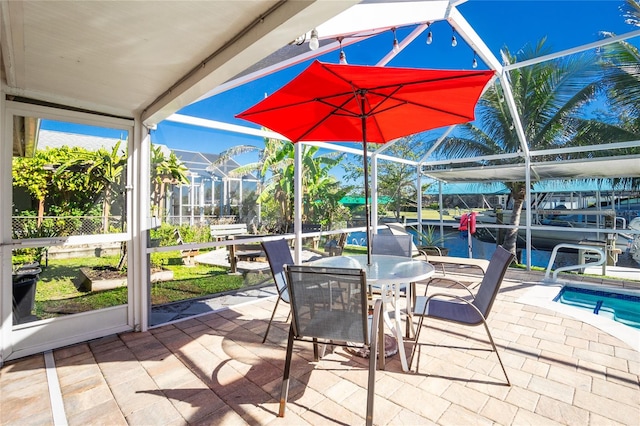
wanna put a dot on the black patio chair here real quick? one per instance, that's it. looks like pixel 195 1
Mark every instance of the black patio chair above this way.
pixel 393 245
pixel 278 255
pixel 459 310
pixel 338 322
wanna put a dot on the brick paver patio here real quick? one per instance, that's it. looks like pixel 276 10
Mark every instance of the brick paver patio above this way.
pixel 213 369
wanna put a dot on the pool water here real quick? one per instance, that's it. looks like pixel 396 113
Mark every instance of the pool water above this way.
pixel 624 308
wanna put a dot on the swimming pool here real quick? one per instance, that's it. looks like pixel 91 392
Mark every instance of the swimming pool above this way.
pixel 623 308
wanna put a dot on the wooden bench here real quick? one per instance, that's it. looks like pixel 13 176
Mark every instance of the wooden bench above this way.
pixel 243 251
pixel 236 252
pixel 187 255
pixel 309 227
pixel 223 232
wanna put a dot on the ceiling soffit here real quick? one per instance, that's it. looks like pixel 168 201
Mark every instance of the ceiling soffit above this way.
pixel 119 58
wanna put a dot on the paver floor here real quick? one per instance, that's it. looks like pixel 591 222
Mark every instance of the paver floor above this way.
pixel 213 369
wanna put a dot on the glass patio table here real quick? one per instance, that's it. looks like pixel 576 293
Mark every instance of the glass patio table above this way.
pixel 388 273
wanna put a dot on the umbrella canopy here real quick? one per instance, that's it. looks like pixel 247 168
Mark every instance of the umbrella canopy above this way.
pixel 352 103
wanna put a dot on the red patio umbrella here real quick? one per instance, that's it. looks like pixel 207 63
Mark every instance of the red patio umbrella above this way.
pixel 352 103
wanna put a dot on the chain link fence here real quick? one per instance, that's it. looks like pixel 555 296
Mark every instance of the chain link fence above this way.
pixel 208 220
pixel 64 226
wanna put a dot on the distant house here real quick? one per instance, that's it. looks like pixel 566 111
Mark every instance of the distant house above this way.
pixel 213 192
pixel 209 195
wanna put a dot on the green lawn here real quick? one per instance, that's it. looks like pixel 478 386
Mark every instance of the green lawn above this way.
pixel 56 293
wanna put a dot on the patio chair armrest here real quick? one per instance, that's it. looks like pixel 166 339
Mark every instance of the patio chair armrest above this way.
pixel 426 257
pixel 458 298
pixel 451 296
pixel 449 280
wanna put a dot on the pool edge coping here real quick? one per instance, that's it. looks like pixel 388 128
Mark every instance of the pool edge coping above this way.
pixel 541 294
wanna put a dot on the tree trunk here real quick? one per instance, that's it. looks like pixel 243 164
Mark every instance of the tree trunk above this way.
pixel 40 212
pixel 162 197
pixel 511 236
pixel 106 208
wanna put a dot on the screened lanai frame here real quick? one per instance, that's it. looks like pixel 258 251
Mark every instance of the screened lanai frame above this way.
pixel 145 82
pixel 528 170
pixel 211 186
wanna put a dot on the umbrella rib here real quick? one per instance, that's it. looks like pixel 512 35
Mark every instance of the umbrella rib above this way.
pixel 397 88
pixel 335 108
pixel 422 105
pixel 429 80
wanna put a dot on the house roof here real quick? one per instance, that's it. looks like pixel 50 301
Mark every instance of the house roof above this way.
pixel 55 139
pixel 200 163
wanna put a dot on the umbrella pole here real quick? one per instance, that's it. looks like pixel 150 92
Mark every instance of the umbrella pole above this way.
pixel 367 210
pixel 365 161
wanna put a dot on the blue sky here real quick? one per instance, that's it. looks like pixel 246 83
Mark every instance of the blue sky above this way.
pixel 513 23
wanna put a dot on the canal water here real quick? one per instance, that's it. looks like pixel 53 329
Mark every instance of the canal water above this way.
pixel 458 247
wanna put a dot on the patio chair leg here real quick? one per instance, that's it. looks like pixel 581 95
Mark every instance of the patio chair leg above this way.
pixel 495 349
pixel 284 393
pixel 275 308
pixel 415 345
pixel 316 351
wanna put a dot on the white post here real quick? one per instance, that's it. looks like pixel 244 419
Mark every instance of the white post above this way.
pixel 180 205
pixel 297 201
pixel 192 196
pixel 419 190
pixel 374 193
pixel 440 208
pixel 140 302
pixel 201 203
pixel 527 180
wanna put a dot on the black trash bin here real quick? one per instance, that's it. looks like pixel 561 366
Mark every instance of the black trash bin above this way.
pixel 24 292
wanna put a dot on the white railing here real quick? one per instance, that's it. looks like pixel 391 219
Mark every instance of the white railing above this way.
pixel 580 247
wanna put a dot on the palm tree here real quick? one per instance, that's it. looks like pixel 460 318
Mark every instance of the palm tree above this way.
pixel 270 162
pixel 398 180
pixel 631 11
pixel 275 171
pixel 321 190
pixel 105 169
pixel 549 98
pixel 164 171
pixel 621 61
